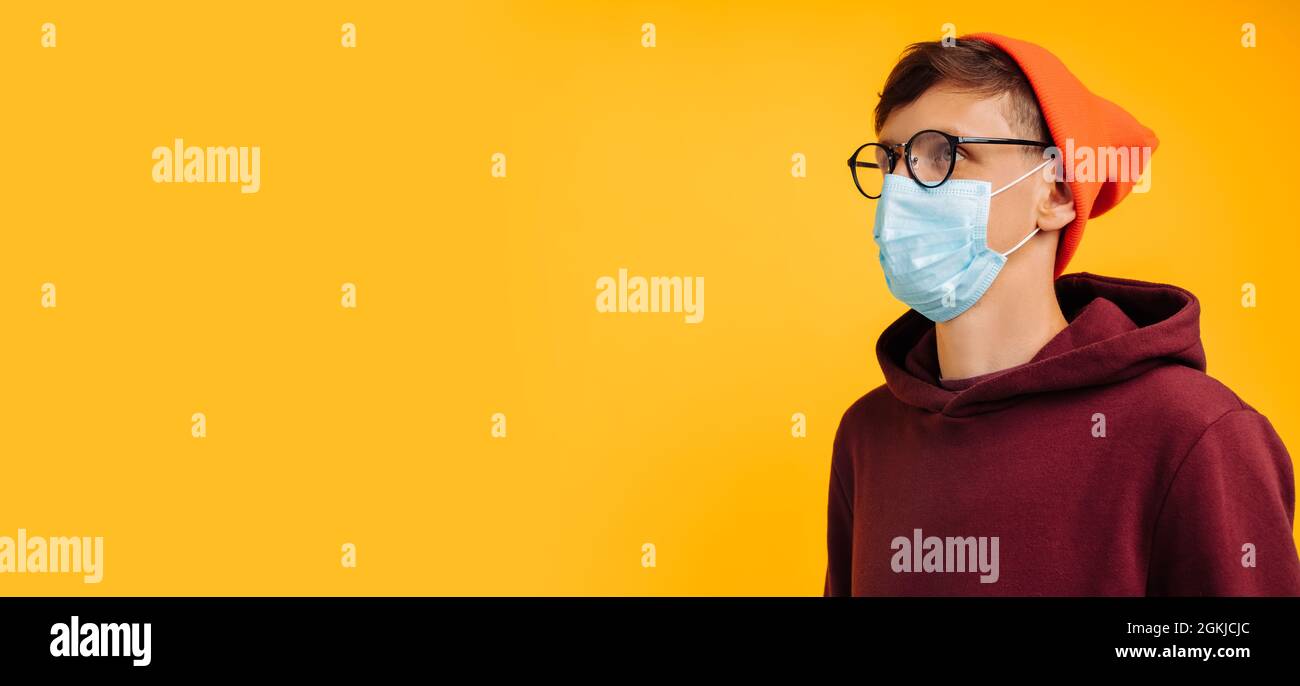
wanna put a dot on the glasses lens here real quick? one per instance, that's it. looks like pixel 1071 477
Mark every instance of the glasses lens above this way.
pixel 870 166
pixel 931 158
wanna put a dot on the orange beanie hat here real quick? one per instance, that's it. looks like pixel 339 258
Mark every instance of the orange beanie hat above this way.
pixel 1086 121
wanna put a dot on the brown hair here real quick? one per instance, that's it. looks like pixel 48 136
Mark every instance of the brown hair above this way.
pixel 972 66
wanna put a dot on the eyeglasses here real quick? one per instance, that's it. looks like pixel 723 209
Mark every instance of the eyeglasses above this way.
pixel 930 157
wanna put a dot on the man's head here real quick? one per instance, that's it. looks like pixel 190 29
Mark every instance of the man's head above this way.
pixel 994 80
pixel 973 88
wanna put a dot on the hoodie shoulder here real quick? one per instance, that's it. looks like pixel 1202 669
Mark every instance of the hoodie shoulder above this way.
pixel 1231 498
pixel 861 424
pixel 1186 397
pixel 870 405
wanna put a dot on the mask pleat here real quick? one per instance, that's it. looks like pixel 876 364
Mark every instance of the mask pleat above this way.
pixel 932 246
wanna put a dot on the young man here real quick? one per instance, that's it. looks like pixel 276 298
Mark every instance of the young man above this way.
pixel 1037 434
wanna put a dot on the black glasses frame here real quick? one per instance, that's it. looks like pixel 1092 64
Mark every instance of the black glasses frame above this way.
pixel 892 154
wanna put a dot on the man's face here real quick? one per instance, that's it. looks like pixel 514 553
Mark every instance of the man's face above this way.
pixel 1013 213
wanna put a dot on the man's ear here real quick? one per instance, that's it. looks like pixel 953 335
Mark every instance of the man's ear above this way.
pixel 1056 209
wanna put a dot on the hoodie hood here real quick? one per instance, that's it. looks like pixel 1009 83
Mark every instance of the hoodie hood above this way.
pixel 1118 329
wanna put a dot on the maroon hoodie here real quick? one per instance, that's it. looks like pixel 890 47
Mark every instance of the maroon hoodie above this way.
pixel 1109 464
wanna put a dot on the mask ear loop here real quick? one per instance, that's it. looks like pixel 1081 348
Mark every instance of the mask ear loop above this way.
pixel 1022 242
pixel 1022 178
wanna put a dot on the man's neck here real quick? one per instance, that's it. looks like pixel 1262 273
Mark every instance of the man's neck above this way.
pixel 1008 326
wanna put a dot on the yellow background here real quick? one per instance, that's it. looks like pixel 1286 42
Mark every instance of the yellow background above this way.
pixel 476 295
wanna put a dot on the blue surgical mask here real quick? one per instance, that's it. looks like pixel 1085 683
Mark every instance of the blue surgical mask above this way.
pixel 934 243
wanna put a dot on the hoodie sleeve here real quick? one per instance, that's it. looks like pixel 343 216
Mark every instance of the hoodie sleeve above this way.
pixel 839 517
pixel 1226 526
